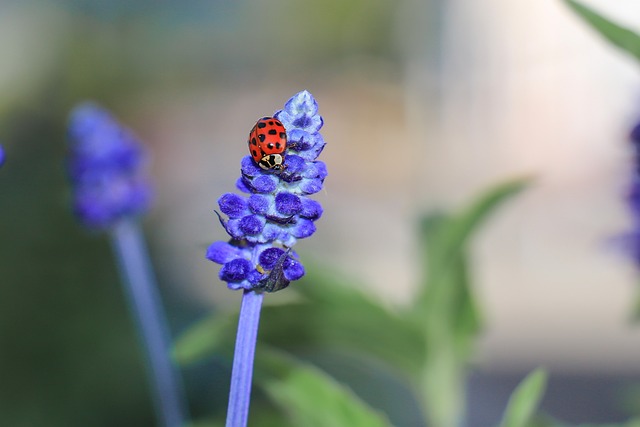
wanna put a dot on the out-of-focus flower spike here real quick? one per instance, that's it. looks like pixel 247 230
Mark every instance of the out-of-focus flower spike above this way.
pixel 106 167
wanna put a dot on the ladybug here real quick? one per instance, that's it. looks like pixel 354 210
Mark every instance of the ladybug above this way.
pixel 267 142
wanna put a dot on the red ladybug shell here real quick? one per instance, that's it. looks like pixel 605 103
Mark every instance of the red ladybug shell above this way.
pixel 267 142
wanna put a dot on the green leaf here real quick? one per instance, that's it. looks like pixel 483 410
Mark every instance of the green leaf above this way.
pixel 444 239
pixel 334 313
pixel 213 333
pixel 311 398
pixel 445 307
pixel 524 401
pixel 621 37
pixel 446 236
pixel 450 323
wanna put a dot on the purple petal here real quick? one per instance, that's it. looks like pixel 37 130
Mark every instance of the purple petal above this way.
pixel 232 205
pixel 302 102
pixel 288 204
pixel 311 186
pixel 259 203
pixel 304 228
pixel 316 169
pixel 235 270
pixel 222 252
pixel 271 232
pixel 249 168
pixel 233 228
pixel 269 257
pixel 311 209
pixel 293 269
pixel 254 277
pixel 300 140
pixel 265 183
pixel 252 224
pixel 240 185
pixel 312 153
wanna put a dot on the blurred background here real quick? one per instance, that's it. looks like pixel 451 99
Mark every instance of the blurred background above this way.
pixel 425 104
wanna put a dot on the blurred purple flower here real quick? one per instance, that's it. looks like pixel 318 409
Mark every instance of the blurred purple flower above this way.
pixel 2 156
pixel 105 167
pixel 629 242
pixel 267 223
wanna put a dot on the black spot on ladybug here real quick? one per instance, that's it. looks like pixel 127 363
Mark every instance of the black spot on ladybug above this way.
pixel 253 141
pixel 270 145
pixel 283 135
pixel 262 125
pixel 261 137
pixel 273 132
pixel 278 123
pixel 254 153
pixel 270 122
pixel 277 145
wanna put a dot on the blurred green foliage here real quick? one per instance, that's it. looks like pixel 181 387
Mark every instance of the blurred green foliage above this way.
pixel 424 347
pixel 524 401
pixel 615 34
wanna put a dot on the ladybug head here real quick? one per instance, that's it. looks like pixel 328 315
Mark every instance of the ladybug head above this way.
pixel 272 162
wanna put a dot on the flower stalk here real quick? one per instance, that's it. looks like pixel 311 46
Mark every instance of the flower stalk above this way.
pixel 242 370
pixel 144 302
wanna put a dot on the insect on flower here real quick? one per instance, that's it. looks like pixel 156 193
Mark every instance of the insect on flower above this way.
pixel 266 222
pixel 267 143
pixel 276 209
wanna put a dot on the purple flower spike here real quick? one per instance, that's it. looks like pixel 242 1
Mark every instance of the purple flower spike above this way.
pixel 264 225
pixel 276 213
pixel 629 242
pixel 106 168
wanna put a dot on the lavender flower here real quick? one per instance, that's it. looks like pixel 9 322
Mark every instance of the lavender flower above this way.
pixel 632 239
pixel 264 225
pixel 105 166
pixel 267 223
pixel 2 155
